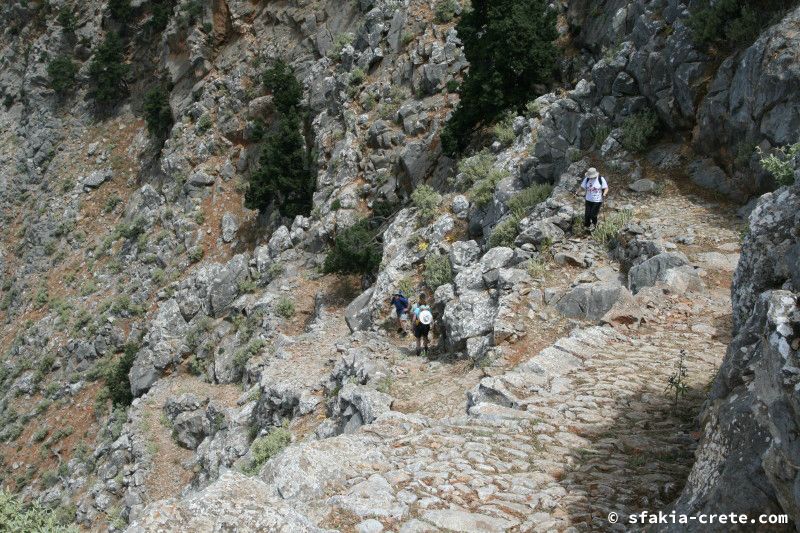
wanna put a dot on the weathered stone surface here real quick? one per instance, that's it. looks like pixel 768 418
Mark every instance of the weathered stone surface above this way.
pixel 233 502
pixel 97 178
pixel 648 272
pixel 590 300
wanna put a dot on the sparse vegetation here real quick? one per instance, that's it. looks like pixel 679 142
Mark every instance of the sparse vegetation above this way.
pixel 537 268
pixel 438 271
pixel 109 71
pixel 196 253
pixel 339 42
pixel 445 10
pixel 505 232
pixel 474 169
pixel 607 230
pixel 244 354
pixel 504 130
pixel 522 202
pixel 285 308
pixel 357 76
pixel 501 77
pixel 355 251
pixel 677 380
pixel 62 71
pixel 18 518
pixel 780 163
pixel 638 130
pixel 157 111
pixel 482 191
pixel 426 200
pixel 264 448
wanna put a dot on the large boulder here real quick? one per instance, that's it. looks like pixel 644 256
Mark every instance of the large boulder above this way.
pixel 590 300
pixel 647 273
pixel 357 313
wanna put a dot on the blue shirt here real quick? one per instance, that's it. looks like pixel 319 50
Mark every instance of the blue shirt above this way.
pixel 400 303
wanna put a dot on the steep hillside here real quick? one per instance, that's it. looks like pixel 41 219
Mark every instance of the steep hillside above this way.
pixel 208 205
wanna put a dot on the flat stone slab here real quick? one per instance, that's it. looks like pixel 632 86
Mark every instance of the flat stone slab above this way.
pixel 464 522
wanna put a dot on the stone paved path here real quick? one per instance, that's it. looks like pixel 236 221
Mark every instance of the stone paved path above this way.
pixel 579 429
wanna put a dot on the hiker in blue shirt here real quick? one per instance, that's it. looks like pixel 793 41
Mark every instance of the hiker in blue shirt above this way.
pixel 400 303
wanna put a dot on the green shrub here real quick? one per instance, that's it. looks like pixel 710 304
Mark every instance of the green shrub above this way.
pixel 733 22
pixel 66 19
pixel 196 253
pixel 120 10
pixel 438 271
pixel 537 268
pixel 108 71
pixel 426 200
pixel 638 130
pixel 505 233
pixel 161 12
pixel 243 355
pixel 781 163
pixel 357 77
pixel 474 169
pixel 339 42
pixel 355 251
pixel 522 202
pixel 18 518
pixel 264 448
pixel 504 130
pixel 607 230
pixel 286 91
pixel 204 123
pixel 117 379
pixel 285 307
pixel 445 10
pixel 195 366
pixel 601 133
pixel 157 111
pixel 61 72
pixel 502 76
pixel 483 191
pixel 286 177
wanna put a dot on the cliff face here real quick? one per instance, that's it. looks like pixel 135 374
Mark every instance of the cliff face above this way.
pixel 131 256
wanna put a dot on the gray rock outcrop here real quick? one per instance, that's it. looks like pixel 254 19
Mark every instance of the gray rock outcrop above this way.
pixel 747 459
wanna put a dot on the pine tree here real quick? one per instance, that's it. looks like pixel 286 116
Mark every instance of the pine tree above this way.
pixel 108 70
pixel 285 177
pixel 510 48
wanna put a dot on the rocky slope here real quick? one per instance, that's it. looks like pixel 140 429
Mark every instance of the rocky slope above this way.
pixel 543 405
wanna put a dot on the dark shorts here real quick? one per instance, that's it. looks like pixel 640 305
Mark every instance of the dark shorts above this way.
pixel 422 330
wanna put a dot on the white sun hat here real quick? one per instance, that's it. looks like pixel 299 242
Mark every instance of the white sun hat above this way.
pixel 426 317
pixel 592 174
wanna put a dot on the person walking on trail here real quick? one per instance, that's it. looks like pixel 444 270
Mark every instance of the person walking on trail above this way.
pixel 423 318
pixel 596 188
pixel 400 303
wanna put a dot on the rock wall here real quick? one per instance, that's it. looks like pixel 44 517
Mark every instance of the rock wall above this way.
pixel 747 461
pixel 729 105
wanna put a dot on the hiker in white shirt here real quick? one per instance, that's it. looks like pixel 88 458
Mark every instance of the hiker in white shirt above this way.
pixel 596 188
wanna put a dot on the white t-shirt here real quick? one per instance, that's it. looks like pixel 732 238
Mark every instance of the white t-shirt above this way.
pixel 594 188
